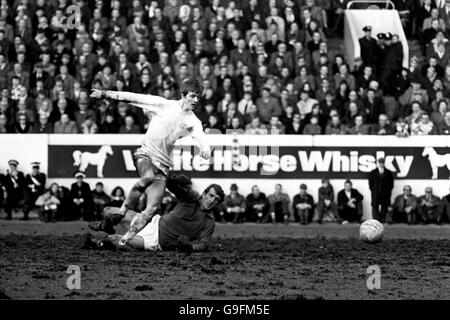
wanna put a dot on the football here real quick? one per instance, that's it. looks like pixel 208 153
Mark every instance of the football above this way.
pixel 371 231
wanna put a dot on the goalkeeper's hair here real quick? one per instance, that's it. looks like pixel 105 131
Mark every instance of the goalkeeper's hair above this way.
pixel 190 85
pixel 218 189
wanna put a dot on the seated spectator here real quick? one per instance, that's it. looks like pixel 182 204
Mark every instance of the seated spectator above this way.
pixel 22 126
pixel 62 194
pixel 423 128
pixel 372 107
pixel 47 205
pixel 268 106
pixel 383 127
pixel 101 200
pixel 306 103
pixel 359 127
pixel 213 126
pixel 65 125
pixel 4 128
pixel 257 206
pixel 233 206
pixel 326 209
pixel 313 127
pixel 446 207
pixel 117 197
pixel 89 126
pixel 43 125
pixel 443 128
pixel 416 114
pixel 303 206
pixel 404 208
pixel 429 207
pixel 255 127
pixel 110 125
pixel 296 126
pixel 275 126
pixel 438 116
pixel 402 128
pixel 349 204
pixel 335 126
pixel 351 113
pixel 81 197
pixel 129 127
pixel 279 205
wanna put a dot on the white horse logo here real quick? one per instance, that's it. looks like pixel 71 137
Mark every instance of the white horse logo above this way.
pixel 436 160
pixel 84 159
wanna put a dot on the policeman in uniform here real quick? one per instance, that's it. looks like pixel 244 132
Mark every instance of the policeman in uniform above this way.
pixel 392 63
pixel 34 187
pixel 15 184
pixel 368 47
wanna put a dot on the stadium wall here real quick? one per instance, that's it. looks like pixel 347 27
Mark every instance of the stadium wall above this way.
pixel 243 159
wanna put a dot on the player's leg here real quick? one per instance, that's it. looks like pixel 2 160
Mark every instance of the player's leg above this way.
pixel 145 170
pixel 155 194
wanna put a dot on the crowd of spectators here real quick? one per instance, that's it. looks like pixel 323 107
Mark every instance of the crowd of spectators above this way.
pixel 265 66
pixel 24 193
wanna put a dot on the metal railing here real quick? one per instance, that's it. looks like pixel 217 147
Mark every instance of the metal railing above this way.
pixel 372 4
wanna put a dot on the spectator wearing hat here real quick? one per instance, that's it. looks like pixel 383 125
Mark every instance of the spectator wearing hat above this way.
pixel 34 187
pixel 303 206
pixel 15 185
pixel 326 209
pixel 234 206
pixel 257 206
pixel 349 204
pixel 429 206
pixel 381 183
pixel 404 208
pixel 279 205
pixel 81 198
pixel 392 63
pixel 368 46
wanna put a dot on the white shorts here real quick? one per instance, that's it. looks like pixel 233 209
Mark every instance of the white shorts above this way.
pixel 150 234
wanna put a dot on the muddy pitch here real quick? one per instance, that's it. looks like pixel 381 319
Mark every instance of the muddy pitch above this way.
pixel 34 267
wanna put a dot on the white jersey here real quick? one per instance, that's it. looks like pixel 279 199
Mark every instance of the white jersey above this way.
pixel 166 127
pixel 169 123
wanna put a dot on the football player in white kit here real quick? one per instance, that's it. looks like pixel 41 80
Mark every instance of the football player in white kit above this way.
pixel 171 120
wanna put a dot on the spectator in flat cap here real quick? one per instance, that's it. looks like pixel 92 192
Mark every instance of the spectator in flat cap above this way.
pixel 234 206
pixel 81 198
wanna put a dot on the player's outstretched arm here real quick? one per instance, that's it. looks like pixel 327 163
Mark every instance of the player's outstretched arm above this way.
pixel 199 137
pixel 145 101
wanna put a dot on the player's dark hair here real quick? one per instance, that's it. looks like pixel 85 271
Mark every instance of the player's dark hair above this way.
pixel 218 189
pixel 190 85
